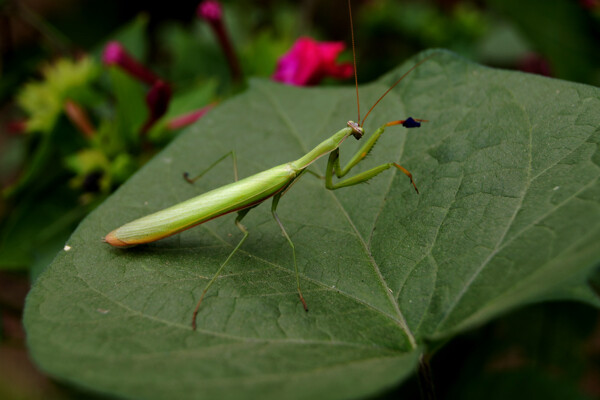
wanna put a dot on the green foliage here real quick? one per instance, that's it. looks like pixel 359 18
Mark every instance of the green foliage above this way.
pixel 134 37
pixel 509 214
pixel 196 97
pixel 65 79
pixel 64 172
pixel 419 25
pixel 130 107
pixel 561 31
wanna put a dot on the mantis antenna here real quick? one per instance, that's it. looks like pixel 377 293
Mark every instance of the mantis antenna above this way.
pixel 354 60
pixel 359 122
pixel 391 87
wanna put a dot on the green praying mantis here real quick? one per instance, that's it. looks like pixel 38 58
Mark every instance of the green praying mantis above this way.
pixel 243 195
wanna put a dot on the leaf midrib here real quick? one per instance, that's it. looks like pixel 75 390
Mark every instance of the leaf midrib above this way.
pixel 400 319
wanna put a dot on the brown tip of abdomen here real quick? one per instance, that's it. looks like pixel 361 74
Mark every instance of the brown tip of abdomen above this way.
pixel 112 239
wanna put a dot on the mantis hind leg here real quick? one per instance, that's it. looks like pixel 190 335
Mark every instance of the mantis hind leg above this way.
pixel 274 212
pixel 241 214
pixel 186 176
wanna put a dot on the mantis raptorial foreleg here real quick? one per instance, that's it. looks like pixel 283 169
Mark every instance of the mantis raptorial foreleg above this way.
pixel 274 211
pixel 333 164
pixel 201 174
pixel 241 214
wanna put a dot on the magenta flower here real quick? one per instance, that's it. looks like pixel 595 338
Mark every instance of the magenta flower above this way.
pixel 309 61
pixel 188 118
pixel 115 54
pixel 535 64
pixel 212 12
pixel 590 4
pixel 157 100
pixel 16 127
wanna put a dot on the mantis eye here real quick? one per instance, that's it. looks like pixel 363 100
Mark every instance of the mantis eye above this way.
pixel 357 130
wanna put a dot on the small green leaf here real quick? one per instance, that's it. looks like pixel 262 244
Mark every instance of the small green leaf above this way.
pixel 65 79
pixel 509 214
pixel 130 95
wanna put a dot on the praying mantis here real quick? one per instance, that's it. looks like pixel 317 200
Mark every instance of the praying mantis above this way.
pixel 243 195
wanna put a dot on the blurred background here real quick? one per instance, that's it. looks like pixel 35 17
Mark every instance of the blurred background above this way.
pixel 90 90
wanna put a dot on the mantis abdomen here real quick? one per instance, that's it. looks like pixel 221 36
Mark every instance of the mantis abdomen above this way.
pixel 232 197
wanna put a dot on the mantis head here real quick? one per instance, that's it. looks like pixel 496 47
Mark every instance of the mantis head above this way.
pixel 357 130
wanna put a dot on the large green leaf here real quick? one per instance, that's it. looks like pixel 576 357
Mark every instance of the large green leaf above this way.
pixel 509 214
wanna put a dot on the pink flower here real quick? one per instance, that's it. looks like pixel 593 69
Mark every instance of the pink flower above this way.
pixel 535 64
pixel 212 12
pixel 16 127
pixel 590 4
pixel 188 118
pixel 157 100
pixel 309 61
pixel 115 54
